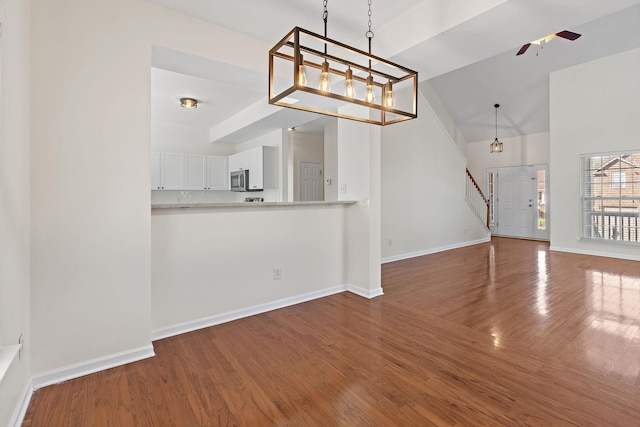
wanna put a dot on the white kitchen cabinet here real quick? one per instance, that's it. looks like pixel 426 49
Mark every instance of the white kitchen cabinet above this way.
pixel 180 171
pixel 263 168
pixel 217 173
pixel 195 172
pixel 172 171
pixel 239 161
pixel 155 170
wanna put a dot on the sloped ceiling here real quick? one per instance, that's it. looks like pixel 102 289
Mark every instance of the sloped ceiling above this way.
pixel 466 50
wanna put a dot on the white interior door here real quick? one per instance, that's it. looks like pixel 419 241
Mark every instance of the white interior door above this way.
pixel 516 201
pixel 310 181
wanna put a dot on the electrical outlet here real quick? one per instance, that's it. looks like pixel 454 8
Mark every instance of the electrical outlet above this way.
pixel 277 273
pixel 343 188
pixel 389 242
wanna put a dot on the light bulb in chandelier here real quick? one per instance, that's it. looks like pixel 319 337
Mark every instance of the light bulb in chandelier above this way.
pixel 350 90
pixel 370 96
pixel 302 75
pixel 325 81
pixel 388 96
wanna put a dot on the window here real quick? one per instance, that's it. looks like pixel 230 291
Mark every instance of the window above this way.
pixel 618 180
pixel 542 205
pixel 611 197
pixel 491 195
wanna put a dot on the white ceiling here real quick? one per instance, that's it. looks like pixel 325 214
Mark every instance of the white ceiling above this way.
pixel 465 50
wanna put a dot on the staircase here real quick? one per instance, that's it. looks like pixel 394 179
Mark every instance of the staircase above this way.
pixel 476 200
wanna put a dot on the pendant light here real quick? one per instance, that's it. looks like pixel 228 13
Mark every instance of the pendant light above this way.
pixel 496 146
pixel 349 90
pixel 332 75
pixel 302 74
pixel 325 79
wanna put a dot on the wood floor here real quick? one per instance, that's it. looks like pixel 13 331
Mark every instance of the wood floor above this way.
pixel 502 333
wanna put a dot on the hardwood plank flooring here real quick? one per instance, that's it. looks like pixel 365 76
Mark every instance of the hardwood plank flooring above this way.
pixel 503 333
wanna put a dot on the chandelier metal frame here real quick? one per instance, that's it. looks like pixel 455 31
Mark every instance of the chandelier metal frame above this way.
pixel 362 67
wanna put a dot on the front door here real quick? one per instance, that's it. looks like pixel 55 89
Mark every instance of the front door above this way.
pixel 516 201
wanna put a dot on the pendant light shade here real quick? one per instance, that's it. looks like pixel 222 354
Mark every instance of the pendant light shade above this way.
pixel 496 146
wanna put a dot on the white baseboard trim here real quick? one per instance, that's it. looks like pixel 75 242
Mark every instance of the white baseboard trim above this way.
pixel 229 316
pixel 366 293
pixel 435 250
pixel 91 366
pixel 594 253
pixel 23 404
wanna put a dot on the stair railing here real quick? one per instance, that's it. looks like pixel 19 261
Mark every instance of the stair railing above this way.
pixel 476 199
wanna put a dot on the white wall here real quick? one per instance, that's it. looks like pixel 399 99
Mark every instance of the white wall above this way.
pixel 180 138
pixel 90 163
pixel 435 106
pixel 595 108
pixel 306 148
pixel 520 150
pixel 14 198
pixel 209 263
pixel 331 160
pixel 358 155
pixel 423 190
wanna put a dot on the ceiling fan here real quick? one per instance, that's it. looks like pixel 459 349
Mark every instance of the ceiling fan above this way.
pixel 569 35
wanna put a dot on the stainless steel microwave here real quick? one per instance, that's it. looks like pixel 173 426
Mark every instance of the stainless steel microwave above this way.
pixel 240 180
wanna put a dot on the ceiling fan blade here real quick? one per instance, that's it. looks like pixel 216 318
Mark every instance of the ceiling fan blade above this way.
pixel 569 35
pixel 523 49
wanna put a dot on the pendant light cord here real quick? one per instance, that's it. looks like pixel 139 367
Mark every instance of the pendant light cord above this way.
pixel 325 18
pixel 497 106
pixel 369 34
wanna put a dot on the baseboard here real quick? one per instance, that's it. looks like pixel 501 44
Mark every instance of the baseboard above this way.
pixel 366 293
pixel 229 316
pixel 435 250
pixel 23 404
pixel 594 253
pixel 92 366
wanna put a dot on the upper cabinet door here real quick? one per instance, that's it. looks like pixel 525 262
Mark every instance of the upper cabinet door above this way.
pixel 195 172
pixel 238 162
pixel 217 173
pixel 255 169
pixel 155 170
pixel 172 171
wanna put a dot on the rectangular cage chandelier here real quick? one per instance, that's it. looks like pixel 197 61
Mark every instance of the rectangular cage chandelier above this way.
pixel 311 72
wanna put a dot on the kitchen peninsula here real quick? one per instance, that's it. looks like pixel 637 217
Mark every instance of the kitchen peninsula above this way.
pixel 216 262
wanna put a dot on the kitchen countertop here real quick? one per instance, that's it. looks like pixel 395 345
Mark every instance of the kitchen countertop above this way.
pixel 250 204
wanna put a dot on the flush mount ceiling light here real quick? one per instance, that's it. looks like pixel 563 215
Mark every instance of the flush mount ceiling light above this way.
pixel 188 103
pixel 496 146
pixel 332 78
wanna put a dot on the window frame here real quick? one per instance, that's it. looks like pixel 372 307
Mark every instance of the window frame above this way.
pixel 603 231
